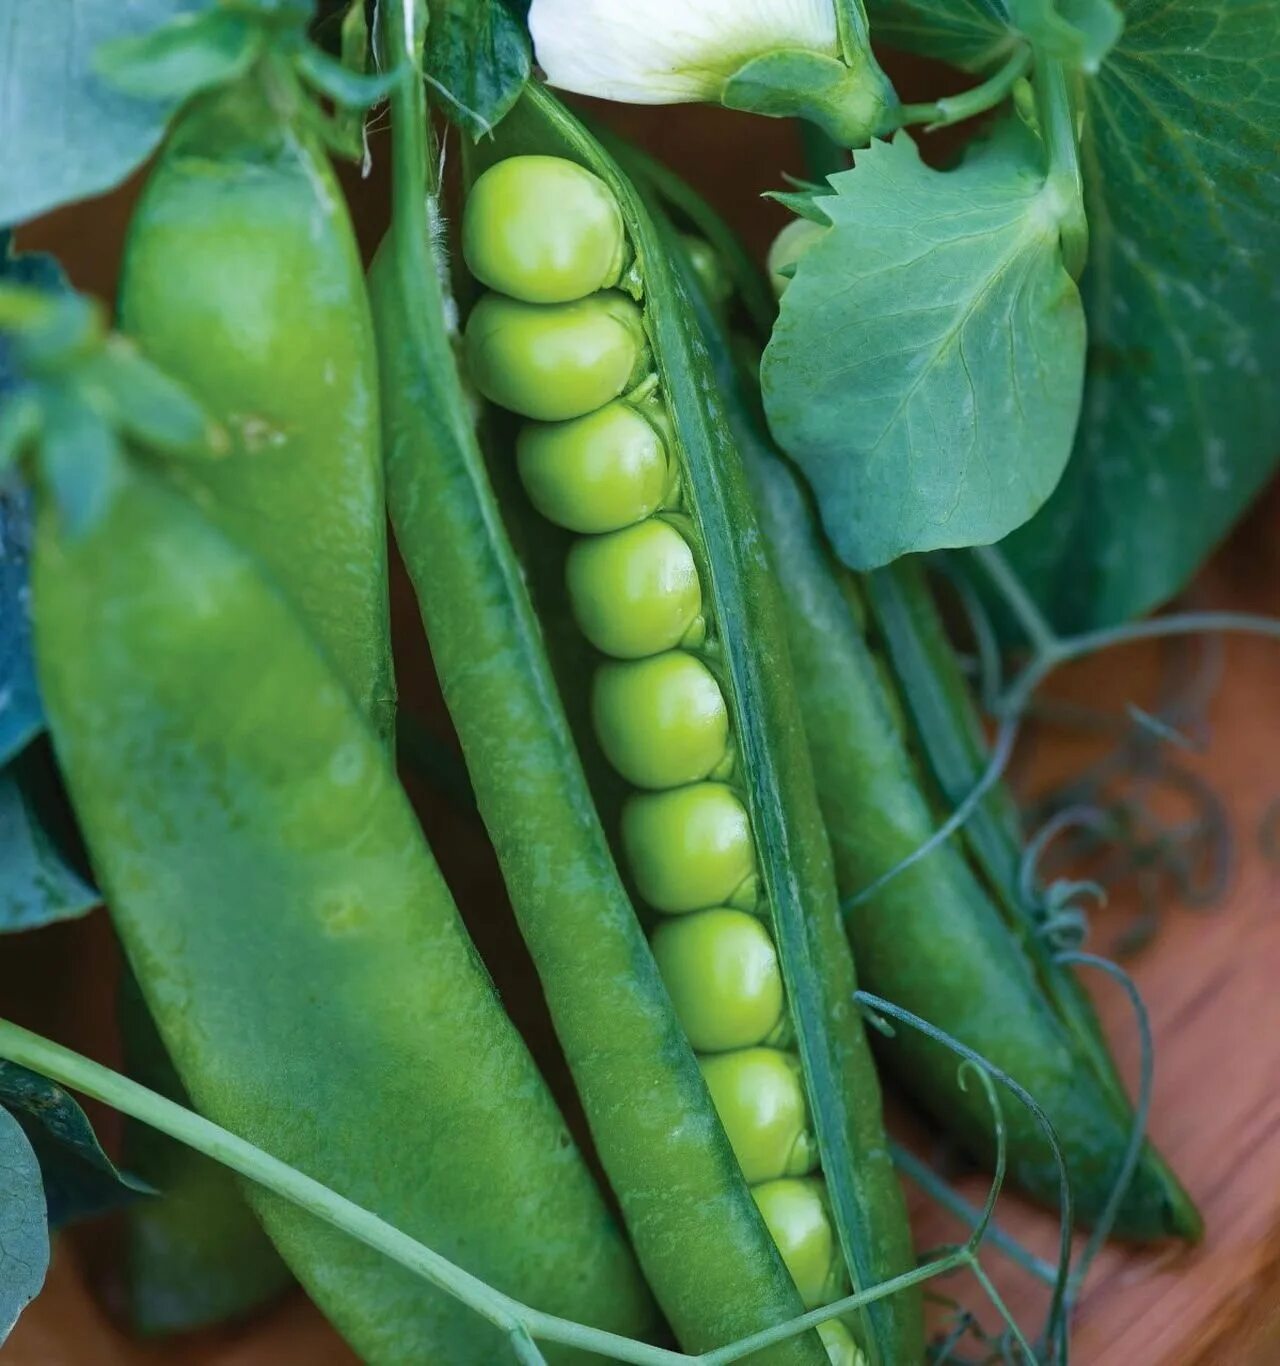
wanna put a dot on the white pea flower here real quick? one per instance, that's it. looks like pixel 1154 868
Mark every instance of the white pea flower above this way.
pixel 777 57
pixel 669 51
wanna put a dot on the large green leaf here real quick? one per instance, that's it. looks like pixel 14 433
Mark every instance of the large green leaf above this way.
pixel 925 370
pixel 1181 420
pixel 65 132
pixel 977 34
pixel 24 1237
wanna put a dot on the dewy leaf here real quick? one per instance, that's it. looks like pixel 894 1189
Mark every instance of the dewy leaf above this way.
pixel 24 1235
pixel 65 132
pixel 79 1179
pixel 1181 419
pixel 925 369
pixel 478 60
pixel 38 884
pixel 979 34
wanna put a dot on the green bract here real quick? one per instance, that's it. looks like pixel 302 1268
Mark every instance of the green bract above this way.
pixel 759 1096
pixel 636 592
pixel 543 229
pixel 555 361
pixel 722 971
pixel 600 472
pixel 796 1211
pixel 661 721
pixel 690 848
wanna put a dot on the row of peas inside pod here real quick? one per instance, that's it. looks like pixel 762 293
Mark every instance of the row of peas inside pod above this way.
pixel 559 339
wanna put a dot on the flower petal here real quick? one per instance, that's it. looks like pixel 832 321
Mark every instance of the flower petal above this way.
pixel 668 51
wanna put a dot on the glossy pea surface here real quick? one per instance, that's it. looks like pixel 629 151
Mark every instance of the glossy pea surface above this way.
pixel 722 973
pixel 635 592
pixel 759 1096
pixel 555 361
pixel 543 229
pixel 690 849
pixel 597 473
pixel 662 721
pixel 795 1211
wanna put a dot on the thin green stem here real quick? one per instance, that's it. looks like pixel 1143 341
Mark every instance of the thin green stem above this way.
pixel 1065 182
pixel 969 103
pixel 1035 625
pixel 994 1296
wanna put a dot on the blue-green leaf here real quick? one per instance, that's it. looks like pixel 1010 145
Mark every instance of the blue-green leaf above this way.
pixel 79 1179
pixel 38 884
pixel 65 132
pixel 478 59
pixel 925 370
pixel 24 1235
pixel 192 53
pixel 1181 419
pixel 21 715
pixel 978 34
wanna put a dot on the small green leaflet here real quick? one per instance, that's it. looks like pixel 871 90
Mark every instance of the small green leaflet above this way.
pixel 478 60
pixel 926 367
pixel 24 1235
pixel 65 132
pixel 1181 419
pixel 978 34
pixel 80 1180
pixel 38 885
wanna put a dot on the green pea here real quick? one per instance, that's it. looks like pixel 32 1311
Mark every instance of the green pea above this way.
pixel 543 229
pixel 722 974
pixel 596 473
pixel 788 247
pixel 661 721
pixel 690 848
pixel 709 269
pixel 795 1211
pixel 555 361
pixel 841 1348
pixel 759 1096
pixel 636 592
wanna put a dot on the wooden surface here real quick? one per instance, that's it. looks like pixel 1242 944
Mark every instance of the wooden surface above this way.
pixel 1209 977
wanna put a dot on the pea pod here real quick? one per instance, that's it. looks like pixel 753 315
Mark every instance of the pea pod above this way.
pixel 242 278
pixel 934 939
pixel 296 942
pixel 696 581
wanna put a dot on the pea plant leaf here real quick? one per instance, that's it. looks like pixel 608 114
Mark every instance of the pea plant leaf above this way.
pixel 478 58
pixel 39 883
pixel 24 1234
pixel 977 34
pixel 1181 419
pixel 926 366
pixel 65 131
pixel 80 1181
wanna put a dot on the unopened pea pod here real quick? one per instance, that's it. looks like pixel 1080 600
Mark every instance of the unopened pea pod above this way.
pixel 669 1161
pixel 242 278
pixel 555 361
pixel 933 939
pixel 251 836
pixel 721 969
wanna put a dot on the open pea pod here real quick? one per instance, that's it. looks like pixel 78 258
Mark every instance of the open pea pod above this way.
pixel 712 1123
pixel 296 943
pixel 942 938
